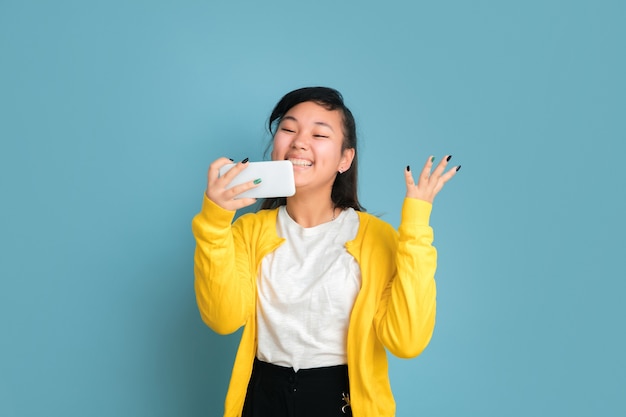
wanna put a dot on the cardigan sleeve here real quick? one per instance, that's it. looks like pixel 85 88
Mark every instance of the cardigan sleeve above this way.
pixel 405 317
pixel 223 282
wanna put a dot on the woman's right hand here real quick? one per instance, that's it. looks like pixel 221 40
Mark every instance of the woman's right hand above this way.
pixel 217 191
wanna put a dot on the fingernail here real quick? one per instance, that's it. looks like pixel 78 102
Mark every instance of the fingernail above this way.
pixel 459 167
pixel 449 157
pixel 408 168
pixel 245 160
pixel 257 181
pixel 231 160
pixel 432 159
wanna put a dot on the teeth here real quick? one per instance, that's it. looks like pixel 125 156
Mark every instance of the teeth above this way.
pixel 301 162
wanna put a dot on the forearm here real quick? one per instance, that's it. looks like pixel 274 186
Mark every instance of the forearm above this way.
pixel 222 281
pixel 410 300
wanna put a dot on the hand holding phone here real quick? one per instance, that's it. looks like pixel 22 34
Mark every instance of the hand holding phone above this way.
pixel 276 179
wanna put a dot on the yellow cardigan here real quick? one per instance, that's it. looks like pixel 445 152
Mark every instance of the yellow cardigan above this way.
pixel 395 307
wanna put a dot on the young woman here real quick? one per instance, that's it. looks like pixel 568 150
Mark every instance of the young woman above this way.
pixel 321 287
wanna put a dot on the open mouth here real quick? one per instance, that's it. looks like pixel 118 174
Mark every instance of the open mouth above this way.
pixel 301 162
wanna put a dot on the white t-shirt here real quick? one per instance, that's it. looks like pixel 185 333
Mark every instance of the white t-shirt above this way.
pixel 306 291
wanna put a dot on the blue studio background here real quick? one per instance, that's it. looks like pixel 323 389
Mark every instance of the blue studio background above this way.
pixel 111 111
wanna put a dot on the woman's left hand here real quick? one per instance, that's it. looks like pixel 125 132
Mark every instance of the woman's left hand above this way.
pixel 429 183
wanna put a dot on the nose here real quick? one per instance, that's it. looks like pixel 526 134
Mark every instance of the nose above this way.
pixel 299 141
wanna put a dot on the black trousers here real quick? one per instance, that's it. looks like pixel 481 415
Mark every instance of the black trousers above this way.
pixel 276 391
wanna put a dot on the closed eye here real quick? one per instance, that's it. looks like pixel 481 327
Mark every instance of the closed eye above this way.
pixel 284 129
pixel 320 136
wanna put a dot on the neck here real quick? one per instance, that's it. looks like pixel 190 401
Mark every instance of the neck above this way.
pixel 310 212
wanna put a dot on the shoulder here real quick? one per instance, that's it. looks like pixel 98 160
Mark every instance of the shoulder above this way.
pixel 375 223
pixel 373 229
pixel 258 221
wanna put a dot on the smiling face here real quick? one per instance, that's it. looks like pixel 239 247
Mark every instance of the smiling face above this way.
pixel 311 137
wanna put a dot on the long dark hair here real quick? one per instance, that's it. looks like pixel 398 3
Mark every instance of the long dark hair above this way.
pixel 344 191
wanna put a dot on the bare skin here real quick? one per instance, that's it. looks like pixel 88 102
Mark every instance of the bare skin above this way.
pixel 312 137
pixel 429 182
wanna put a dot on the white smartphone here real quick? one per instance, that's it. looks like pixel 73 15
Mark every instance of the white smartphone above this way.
pixel 276 179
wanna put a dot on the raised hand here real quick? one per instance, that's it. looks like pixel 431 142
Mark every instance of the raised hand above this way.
pixel 217 191
pixel 429 182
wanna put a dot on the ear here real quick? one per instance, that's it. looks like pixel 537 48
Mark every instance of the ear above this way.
pixel 346 160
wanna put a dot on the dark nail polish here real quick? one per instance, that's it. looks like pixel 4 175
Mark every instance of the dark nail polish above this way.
pixel 449 157
pixel 231 160
pixel 257 181
pixel 432 159
pixel 408 168
pixel 245 160
pixel 459 167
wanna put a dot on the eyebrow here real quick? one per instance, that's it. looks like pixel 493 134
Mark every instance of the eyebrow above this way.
pixel 317 123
